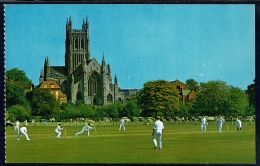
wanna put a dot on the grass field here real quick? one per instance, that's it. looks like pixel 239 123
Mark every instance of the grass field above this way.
pixel 182 144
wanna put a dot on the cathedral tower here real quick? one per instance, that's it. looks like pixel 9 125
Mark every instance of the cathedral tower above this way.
pixel 77 45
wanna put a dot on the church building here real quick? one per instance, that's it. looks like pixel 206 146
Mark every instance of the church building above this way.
pixel 82 78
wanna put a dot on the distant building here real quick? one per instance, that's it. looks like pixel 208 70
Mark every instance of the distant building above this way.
pixel 54 90
pixel 82 78
pixel 186 94
pixel 124 94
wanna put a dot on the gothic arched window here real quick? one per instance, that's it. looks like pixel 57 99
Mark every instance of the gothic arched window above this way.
pixel 82 44
pixel 94 84
pixel 79 96
pixel 76 43
pixel 109 98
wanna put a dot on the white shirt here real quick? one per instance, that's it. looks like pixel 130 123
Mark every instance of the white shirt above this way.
pixel 58 128
pixel 87 127
pixel 239 123
pixel 17 123
pixel 220 120
pixel 203 120
pixel 158 125
pixel 23 129
pixel 122 121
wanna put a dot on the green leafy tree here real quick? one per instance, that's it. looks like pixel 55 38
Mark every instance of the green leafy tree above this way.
pixel 43 103
pixel 68 110
pixel 251 95
pixel 85 110
pixel 15 95
pixel 19 112
pixel 131 108
pixel 192 84
pixel 236 102
pixel 112 110
pixel 158 96
pixel 216 97
pixel 16 75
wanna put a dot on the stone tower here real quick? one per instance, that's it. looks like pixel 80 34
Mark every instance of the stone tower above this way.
pixel 76 45
pixel 82 78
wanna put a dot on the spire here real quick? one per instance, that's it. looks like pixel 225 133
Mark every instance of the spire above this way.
pixel 103 60
pixel 115 79
pixel 70 20
pixel 108 68
pixel 47 61
pixel 41 75
pixel 83 24
pixel 86 21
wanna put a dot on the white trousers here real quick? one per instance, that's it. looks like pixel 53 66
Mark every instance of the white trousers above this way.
pixel 220 127
pixel 203 127
pixel 16 128
pixel 24 133
pixel 157 134
pixel 122 125
pixel 82 131
pixel 59 133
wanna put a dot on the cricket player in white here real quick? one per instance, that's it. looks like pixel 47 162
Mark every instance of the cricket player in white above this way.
pixel 220 122
pixel 122 123
pixel 23 130
pixel 157 132
pixel 16 126
pixel 203 123
pixel 58 130
pixel 87 127
pixel 239 124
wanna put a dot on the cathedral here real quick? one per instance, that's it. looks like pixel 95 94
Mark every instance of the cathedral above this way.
pixel 82 78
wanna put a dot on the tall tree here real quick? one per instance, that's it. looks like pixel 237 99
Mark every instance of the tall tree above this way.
pixel 43 103
pixel 131 108
pixel 16 75
pixel 18 112
pixel 15 95
pixel 251 94
pixel 216 97
pixel 158 96
pixel 192 84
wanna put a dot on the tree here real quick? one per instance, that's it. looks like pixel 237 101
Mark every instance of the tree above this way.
pixel 216 97
pixel 237 102
pixel 43 103
pixel 112 110
pixel 251 95
pixel 158 96
pixel 16 75
pixel 18 112
pixel 68 110
pixel 192 84
pixel 131 108
pixel 15 95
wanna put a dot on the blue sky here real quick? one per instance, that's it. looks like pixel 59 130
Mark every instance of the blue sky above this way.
pixel 140 42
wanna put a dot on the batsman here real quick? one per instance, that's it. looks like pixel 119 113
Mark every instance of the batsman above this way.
pixel 87 127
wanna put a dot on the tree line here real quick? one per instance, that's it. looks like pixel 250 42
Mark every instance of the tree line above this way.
pixel 157 97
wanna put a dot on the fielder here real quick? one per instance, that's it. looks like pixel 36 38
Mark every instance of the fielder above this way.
pixel 203 124
pixel 16 126
pixel 58 130
pixel 23 130
pixel 122 123
pixel 157 132
pixel 87 127
pixel 220 122
pixel 239 124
